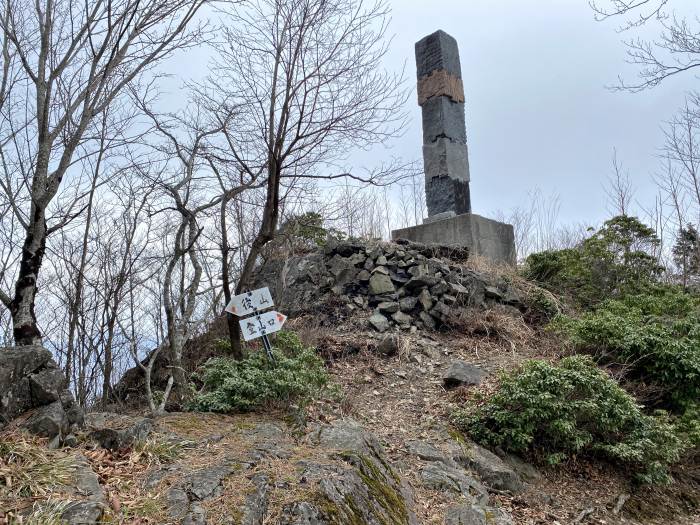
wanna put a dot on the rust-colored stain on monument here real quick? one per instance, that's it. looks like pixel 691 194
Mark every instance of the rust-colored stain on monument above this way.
pixel 440 83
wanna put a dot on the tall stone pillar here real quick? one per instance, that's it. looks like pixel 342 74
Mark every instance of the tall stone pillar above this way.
pixel 441 97
pixel 450 221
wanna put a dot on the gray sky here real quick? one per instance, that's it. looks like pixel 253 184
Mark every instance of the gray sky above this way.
pixel 538 112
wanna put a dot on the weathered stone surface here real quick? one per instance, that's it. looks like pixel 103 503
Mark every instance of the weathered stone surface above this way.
pixel 49 421
pixel 379 322
pixel 388 307
pixel 476 515
pixel 461 373
pixel 380 284
pixel 206 483
pixel 30 379
pixel 426 300
pixel 491 469
pixel 439 476
pixel 402 319
pixel 428 320
pixel 301 513
pixel 444 158
pixel 443 118
pixel 488 238
pixel 348 435
pixel 87 484
pixel 389 345
pixel 83 513
pixel 425 451
pixel 437 51
pixel 408 303
pixel 370 491
pixel 255 506
pixel 114 439
pixel 440 83
pixel 525 470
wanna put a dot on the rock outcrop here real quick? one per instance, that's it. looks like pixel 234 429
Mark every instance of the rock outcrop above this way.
pixel 31 381
pixel 403 284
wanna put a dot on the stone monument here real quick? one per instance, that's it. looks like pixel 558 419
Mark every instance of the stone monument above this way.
pixel 446 163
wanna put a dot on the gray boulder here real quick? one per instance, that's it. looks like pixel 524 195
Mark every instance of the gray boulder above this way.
pixel 461 373
pixel 31 380
pixel 476 515
pixel 115 439
pixel 492 470
pixel 443 477
pixel 389 345
pixel 379 322
pixel 380 284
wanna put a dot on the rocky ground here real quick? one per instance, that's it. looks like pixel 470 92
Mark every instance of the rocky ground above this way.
pixel 378 449
pixel 382 451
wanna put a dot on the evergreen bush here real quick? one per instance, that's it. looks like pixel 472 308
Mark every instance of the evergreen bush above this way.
pixel 655 334
pixel 297 375
pixel 557 411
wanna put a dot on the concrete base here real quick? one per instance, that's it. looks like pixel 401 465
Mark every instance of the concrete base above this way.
pixel 488 238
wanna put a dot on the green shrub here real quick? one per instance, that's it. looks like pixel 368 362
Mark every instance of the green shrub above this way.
pixel 616 260
pixel 656 334
pixel 296 376
pixel 556 411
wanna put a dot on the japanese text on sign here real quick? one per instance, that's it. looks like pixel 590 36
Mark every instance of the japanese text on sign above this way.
pixel 250 302
pixel 262 324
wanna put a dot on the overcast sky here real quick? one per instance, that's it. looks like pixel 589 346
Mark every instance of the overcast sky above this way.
pixel 538 112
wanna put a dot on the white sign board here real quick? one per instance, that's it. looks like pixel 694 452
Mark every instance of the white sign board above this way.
pixel 262 324
pixel 247 303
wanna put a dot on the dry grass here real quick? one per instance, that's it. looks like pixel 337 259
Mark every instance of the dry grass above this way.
pixel 496 324
pixel 29 469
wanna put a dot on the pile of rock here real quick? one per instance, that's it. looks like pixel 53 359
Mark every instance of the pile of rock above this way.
pixel 404 284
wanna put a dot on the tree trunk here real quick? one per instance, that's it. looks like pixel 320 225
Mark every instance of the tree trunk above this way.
pixel 24 325
pixel 231 321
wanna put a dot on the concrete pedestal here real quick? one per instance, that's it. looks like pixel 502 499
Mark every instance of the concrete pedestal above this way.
pixel 488 238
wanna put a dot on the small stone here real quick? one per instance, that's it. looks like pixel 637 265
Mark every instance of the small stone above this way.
pixel 449 299
pixel 55 442
pixel 379 322
pixel 363 276
pixel 457 289
pixel 381 269
pixel 380 284
pixel 461 373
pixel 492 292
pixel 381 260
pixel 356 259
pixel 402 319
pixel 440 310
pixel 388 307
pixel 440 288
pixel 423 281
pixel 83 513
pixel 408 303
pixel 70 441
pixel 418 270
pixel 428 320
pixel 426 300
pixel 389 345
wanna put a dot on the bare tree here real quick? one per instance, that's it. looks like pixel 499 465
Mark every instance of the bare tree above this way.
pixel 675 51
pixel 619 189
pixel 305 79
pixel 64 63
